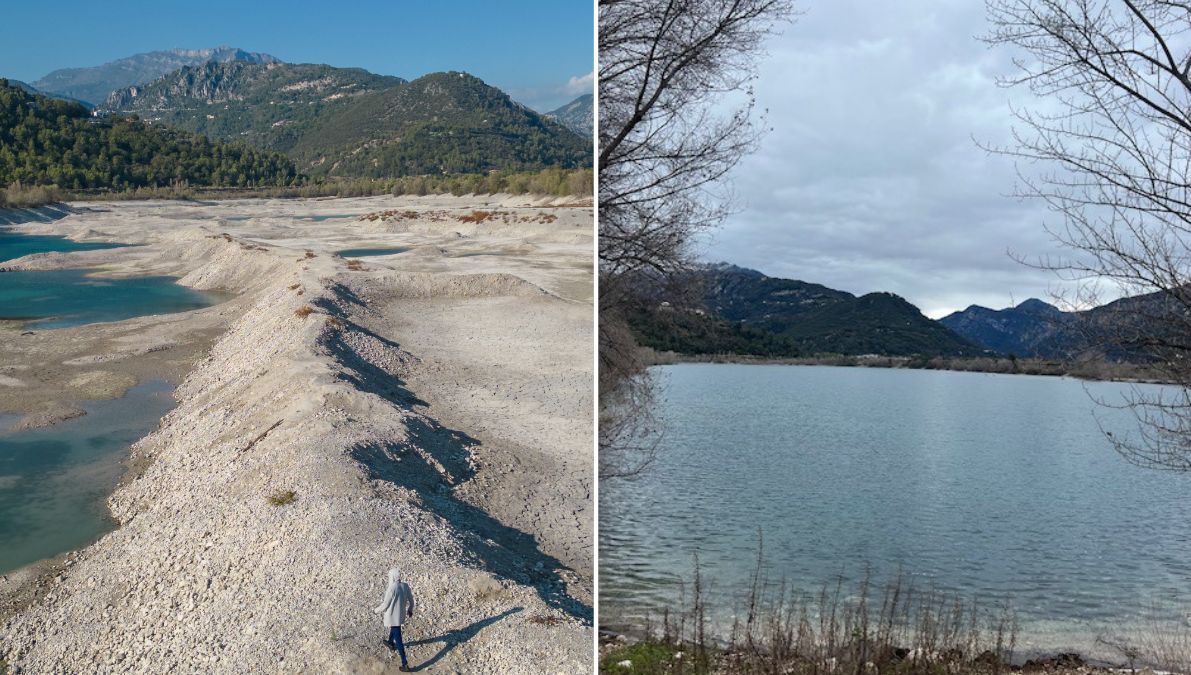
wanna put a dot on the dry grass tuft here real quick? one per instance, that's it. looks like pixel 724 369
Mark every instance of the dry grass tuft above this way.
pixel 283 497
pixel 304 311
pixel 477 217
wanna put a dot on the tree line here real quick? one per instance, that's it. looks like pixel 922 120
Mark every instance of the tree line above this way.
pixel 52 150
pixel 45 141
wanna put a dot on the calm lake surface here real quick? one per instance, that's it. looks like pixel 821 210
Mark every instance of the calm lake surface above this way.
pixel 13 245
pixel 998 488
pixel 72 297
pixel 54 481
pixel 364 252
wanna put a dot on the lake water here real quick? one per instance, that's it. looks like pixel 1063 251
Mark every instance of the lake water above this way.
pixel 364 252
pixel 13 245
pixel 998 488
pixel 72 297
pixel 54 481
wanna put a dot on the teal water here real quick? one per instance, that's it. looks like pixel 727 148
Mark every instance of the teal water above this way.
pixel 54 481
pixel 365 252
pixel 13 245
pixel 997 488
pixel 65 298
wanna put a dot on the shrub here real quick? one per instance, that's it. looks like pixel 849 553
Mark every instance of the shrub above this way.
pixel 283 497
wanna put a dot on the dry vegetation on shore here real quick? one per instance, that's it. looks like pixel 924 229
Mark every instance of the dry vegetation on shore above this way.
pixel 1085 370
pixel 862 629
pixel 547 183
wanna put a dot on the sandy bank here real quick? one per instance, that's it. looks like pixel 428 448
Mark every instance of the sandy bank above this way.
pixel 352 385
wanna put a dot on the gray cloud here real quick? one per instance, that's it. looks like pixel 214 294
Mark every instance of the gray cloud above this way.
pixel 870 178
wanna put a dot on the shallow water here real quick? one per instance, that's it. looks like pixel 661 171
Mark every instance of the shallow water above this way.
pixel 13 245
pixel 65 298
pixel 54 481
pixel 365 252
pixel 994 487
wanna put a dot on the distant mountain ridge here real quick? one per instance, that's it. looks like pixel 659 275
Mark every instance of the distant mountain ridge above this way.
pixel 30 89
pixel 347 121
pixel 269 105
pixel 808 318
pixel 93 84
pixel 578 115
pixel 1118 330
pixel 1031 329
pixel 23 86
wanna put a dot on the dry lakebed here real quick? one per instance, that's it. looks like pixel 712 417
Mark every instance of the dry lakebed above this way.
pixel 426 404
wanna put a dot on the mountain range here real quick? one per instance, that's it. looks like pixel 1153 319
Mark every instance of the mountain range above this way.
pixel 723 308
pixel 333 121
pixel 347 121
pixel 770 316
pixel 1126 329
pixel 577 115
pixel 92 85
pixel 1031 329
pixel 271 105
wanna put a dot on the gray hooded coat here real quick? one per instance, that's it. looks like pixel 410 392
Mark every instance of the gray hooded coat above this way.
pixel 398 602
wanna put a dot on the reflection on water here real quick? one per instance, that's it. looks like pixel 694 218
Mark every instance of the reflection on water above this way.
pixel 54 481
pixel 988 486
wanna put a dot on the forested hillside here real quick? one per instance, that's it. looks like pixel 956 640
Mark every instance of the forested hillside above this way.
pixel 47 141
pixel 439 123
pixel 743 311
pixel 270 106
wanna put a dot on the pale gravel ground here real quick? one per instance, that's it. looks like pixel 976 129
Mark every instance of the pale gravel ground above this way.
pixel 432 412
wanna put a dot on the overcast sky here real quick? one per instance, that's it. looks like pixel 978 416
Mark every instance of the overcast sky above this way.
pixel 870 179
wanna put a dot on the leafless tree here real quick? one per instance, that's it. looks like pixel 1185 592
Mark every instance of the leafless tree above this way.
pixel 1106 144
pixel 675 114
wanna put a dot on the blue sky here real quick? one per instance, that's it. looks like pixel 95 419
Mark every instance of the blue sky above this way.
pixel 539 51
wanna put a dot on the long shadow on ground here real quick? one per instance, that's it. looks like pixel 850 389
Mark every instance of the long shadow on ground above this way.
pixel 36 214
pixel 455 638
pixel 433 461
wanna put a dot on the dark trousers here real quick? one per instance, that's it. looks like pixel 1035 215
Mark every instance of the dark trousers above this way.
pixel 396 643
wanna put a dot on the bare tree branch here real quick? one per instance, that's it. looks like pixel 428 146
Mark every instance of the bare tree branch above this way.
pixel 1114 128
pixel 667 141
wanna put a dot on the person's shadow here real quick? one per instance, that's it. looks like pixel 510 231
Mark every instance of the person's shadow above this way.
pixel 456 637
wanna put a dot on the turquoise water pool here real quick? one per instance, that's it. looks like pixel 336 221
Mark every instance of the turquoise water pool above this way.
pixel 54 481
pixel 13 245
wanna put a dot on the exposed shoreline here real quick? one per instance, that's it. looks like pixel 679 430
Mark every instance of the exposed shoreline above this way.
pixel 1095 372
pixel 314 384
pixel 617 644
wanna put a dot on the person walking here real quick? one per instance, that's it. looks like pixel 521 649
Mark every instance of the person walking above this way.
pixel 396 607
